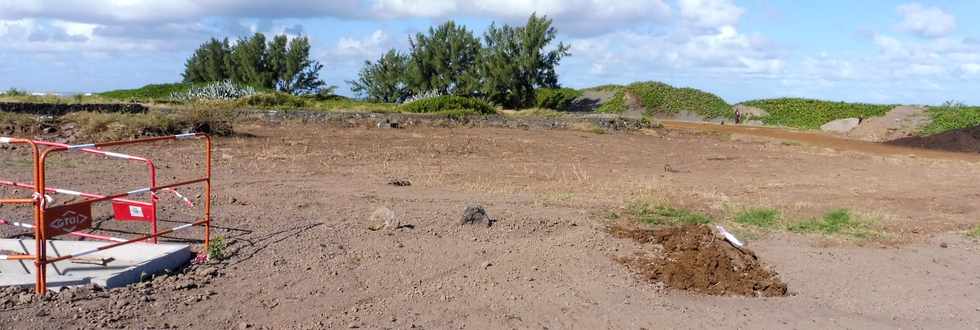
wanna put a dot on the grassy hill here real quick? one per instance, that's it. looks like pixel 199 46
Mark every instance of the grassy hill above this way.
pixel 811 114
pixel 658 97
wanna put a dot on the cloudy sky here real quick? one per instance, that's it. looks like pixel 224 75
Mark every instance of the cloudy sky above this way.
pixel 872 51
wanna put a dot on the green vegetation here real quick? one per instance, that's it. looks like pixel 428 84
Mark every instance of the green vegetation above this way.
pixel 660 214
pixel 149 93
pixel 276 100
pixel 535 112
pixel 974 233
pixel 555 98
pixel 515 62
pixel 835 222
pixel 214 91
pixel 216 248
pixel 345 104
pixel 383 81
pixel 446 103
pixel 100 126
pixel 759 217
pixel 951 116
pixel 811 114
pixel 280 64
pixel 657 97
pixel 444 61
pixel 14 92
pixel 505 69
pixel 604 88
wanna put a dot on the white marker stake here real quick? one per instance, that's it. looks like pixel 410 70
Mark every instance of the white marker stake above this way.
pixel 729 237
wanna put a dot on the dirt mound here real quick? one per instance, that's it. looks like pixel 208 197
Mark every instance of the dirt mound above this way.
pixel 961 140
pixel 898 123
pixel 693 258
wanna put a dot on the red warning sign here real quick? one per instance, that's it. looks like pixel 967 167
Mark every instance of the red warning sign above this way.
pixel 67 218
pixel 124 211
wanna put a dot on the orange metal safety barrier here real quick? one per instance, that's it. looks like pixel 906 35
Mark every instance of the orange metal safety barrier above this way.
pixel 123 208
pixel 68 218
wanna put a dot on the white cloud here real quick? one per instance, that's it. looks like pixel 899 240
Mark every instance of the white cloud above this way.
pixel 710 13
pixel 577 17
pixel 414 8
pixel 930 22
pixel 147 11
pixel 369 47
pixel 970 69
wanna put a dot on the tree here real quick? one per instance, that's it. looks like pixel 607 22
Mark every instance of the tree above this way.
pixel 281 64
pixel 383 80
pixel 444 61
pixel 248 63
pixel 301 74
pixel 208 62
pixel 514 62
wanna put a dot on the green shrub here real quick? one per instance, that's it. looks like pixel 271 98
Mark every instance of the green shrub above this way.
pixel 811 114
pixel 340 103
pixel 759 217
pixel 951 116
pixel 604 88
pixel 214 91
pixel 664 215
pixel 536 112
pixel 216 248
pixel 152 92
pixel 657 97
pixel 974 233
pixel 444 103
pixel 276 100
pixel 839 221
pixel 100 126
pixel 555 98
pixel 14 92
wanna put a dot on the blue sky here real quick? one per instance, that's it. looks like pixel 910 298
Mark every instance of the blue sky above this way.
pixel 871 51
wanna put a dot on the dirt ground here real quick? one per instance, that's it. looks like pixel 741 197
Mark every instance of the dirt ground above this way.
pixel 296 205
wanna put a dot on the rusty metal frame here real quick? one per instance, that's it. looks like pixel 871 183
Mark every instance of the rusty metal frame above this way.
pixel 40 257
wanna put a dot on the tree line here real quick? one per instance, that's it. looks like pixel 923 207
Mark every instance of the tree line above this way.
pixel 506 66
pixel 280 64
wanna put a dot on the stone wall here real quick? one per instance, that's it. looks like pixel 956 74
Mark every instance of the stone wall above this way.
pixel 59 109
pixel 402 120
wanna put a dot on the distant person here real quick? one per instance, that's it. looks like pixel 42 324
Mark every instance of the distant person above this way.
pixel 738 116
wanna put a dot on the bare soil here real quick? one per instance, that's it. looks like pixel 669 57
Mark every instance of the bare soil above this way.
pixel 960 140
pixel 693 258
pixel 295 203
pixel 900 122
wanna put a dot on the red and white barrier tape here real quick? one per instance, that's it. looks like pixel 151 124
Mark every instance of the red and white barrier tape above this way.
pixel 117 155
pixel 5 140
pixel 47 199
pixel 138 192
pixel 184 199
pixel 80 146
pixel 30 226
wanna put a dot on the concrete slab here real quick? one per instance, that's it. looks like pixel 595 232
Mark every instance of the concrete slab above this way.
pixel 111 268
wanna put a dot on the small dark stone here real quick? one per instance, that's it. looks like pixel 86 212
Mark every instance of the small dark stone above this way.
pixel 943 245
pixel 400 182
pixel 475 215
